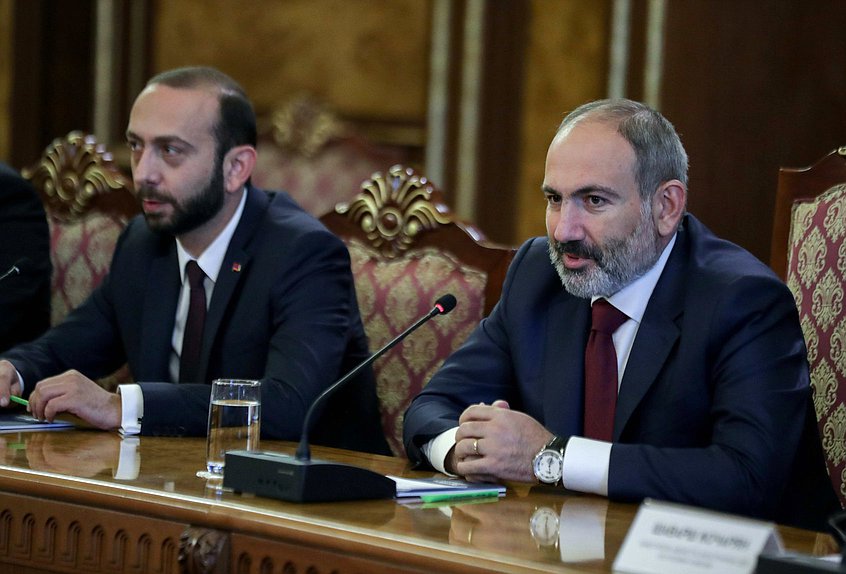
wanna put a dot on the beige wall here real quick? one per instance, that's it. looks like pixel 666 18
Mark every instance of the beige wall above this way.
pixel 367 58
pixel 566 66
pixel 5 76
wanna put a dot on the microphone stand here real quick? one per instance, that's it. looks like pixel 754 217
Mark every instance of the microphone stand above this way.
pixel 298 478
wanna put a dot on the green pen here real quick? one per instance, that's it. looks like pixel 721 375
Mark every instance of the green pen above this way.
pixel 448 496
pixel 19 400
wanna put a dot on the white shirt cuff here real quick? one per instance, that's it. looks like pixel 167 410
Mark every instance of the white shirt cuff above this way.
pixel 437 449
pixel 586 463
pixel 132 409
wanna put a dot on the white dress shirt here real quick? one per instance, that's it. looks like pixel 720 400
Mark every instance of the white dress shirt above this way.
pixel 586 461
pixel 210 261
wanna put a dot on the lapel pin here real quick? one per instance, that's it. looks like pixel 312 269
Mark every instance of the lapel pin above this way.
pixel 236 267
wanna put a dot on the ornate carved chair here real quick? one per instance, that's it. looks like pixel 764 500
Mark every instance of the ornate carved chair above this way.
pixel 809 251
pixel 306 150
pixel 88 203
pixel 407 250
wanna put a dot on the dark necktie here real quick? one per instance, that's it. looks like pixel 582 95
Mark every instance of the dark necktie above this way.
pixel 601 371
pixel 192 339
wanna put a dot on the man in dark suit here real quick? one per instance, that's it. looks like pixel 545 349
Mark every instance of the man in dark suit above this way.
pixel 275 285
pixel 25 256
pixel 709 399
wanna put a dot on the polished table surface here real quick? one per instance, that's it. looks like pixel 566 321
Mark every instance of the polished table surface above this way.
pixel 65 506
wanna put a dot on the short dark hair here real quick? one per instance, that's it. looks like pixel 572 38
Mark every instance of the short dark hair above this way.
pixel 236 124
pixel 659 153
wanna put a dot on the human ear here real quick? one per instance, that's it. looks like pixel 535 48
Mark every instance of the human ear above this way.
pixel 238 165
pixel 669 203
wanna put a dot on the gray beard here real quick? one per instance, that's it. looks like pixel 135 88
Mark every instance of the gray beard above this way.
pixel 617 263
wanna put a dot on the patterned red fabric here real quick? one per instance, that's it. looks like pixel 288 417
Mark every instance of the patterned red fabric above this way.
pixel 81 252
pixel 392 294
pixel 330 177
pixel 816 274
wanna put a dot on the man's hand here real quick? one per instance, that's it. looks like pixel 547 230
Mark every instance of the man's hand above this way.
pixel 71 392
pixel 9 384
pixel 494 443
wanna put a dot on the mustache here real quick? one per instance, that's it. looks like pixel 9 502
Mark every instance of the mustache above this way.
pixel 146 192
pixel 579 249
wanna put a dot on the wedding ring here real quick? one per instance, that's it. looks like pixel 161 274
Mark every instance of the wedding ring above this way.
pixel 476 446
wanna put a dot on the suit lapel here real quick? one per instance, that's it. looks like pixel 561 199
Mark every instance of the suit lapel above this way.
pixel 656 337
pixel 161 296
pixel 564 374
pixel 232 270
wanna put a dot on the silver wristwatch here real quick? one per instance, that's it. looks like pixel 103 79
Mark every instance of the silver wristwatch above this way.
pixel 548 464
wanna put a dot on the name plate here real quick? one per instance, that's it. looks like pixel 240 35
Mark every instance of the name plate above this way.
pixel 671 538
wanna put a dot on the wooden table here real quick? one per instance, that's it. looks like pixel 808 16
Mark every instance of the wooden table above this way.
pixel 63 510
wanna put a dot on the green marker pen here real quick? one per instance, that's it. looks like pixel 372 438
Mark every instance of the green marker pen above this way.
pixel 448 496
pixel 19 400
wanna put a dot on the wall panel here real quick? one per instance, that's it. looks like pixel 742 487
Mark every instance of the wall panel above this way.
pixel 367 58
pixel 567 65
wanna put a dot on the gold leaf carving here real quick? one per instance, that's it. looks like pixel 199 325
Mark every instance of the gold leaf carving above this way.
pixel 73 172
pixel 394 209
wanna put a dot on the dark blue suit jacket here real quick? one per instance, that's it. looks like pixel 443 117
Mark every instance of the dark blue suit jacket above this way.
pixel 24 297
pixel 283 310
pixel 714 407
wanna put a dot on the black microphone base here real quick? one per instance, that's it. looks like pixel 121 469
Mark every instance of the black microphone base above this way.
pixel 284 477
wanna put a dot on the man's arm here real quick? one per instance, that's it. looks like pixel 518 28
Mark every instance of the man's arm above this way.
pixel 300 327
pixel 757 378
pixel 480 371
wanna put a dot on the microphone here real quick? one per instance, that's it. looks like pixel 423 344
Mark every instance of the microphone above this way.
pixel 298 478
pixel 15 269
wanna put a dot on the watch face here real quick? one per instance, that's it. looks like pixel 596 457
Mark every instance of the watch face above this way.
pixel 548 466
pixel 544 526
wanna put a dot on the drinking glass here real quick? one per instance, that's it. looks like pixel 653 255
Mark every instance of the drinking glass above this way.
pixel 234 420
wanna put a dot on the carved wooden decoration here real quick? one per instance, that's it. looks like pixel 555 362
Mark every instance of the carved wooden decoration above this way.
pixel 75 173
pixel 61 537
pixel 203 551
pixel 392 210
pixel 304 125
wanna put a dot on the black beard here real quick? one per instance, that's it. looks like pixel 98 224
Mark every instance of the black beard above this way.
pixel 188 216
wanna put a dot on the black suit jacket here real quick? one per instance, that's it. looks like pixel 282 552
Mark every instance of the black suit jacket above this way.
pixel 283 310
pixel 24 242
pixel 714 406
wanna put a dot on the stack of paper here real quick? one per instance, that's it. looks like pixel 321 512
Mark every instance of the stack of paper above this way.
pixel 443 488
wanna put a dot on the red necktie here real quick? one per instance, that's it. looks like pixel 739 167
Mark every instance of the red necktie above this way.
pixel 601 371
pixel 192 339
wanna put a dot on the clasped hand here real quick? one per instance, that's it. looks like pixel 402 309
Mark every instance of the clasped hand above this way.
pixel 70 392
pixel 494 443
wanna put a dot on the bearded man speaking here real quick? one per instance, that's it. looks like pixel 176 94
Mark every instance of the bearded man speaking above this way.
pixel 216 279
pixel 632 354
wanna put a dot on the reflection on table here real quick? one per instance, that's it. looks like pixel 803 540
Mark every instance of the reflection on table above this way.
pixel 90 501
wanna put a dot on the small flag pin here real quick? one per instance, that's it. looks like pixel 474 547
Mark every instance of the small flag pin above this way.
pixel 236 267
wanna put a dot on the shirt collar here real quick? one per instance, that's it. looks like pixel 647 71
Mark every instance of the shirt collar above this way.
pixel 634 297
pixel 211 259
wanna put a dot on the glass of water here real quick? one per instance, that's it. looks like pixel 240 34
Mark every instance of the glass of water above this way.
pixel 234 420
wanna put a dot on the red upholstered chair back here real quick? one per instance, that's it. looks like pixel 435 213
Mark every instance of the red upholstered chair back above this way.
pixel 88 203
pixel 809 249
pixel 306 150
pixel 407 250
